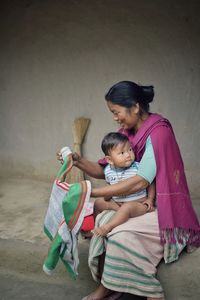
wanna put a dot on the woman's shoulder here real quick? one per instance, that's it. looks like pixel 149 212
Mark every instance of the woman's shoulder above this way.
pixel 164 130
pixel 162 137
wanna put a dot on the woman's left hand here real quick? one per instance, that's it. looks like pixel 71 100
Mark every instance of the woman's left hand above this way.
pixel 149 204
pixel 59 157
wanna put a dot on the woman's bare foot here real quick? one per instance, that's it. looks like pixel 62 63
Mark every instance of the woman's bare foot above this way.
pixel 103 230
pixel 100 293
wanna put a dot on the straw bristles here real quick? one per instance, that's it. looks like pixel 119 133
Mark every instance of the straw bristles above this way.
pixel 79 130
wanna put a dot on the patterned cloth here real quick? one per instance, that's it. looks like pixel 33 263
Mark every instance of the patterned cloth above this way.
pixel 65 214
pixel 177 218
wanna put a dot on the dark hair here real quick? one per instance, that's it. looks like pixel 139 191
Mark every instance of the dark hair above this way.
pixel 111 140
pixel 128 93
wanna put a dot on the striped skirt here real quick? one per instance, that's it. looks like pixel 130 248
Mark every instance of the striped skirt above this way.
pixel 133 251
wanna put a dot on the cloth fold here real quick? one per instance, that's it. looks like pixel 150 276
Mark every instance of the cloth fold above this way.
pixel 63 220
pixel 177 219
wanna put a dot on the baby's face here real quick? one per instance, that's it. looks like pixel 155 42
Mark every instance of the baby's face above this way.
pixel 122 156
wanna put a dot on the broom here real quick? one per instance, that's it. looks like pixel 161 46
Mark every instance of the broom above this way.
pixel 79 129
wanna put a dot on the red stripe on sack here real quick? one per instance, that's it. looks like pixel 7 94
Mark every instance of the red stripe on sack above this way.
pixel 62 221
pixel 61 185
pixel 65 186
pixel 69 166
pixel 73 218
pixel 77 208
pixel 84 194
pixel 81 203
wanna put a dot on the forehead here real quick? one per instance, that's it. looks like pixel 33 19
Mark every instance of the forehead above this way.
pixel 121 146
pixel 115 107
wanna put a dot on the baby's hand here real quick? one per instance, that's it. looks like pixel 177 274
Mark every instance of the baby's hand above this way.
pixel 149 204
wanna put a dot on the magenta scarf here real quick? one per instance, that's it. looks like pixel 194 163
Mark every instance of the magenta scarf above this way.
pixel 176 216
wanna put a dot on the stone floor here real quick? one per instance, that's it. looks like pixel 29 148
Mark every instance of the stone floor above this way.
pixel 23 248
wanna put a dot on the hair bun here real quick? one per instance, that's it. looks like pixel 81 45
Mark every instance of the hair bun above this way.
pixel 147 93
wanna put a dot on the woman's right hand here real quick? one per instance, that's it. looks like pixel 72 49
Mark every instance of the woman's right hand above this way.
pixel 75 156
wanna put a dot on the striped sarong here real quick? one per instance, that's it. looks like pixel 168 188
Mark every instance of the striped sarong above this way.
pixel 133 251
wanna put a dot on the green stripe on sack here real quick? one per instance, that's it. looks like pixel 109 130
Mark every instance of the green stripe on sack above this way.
pixel 54 253
pixel 48 233
pixel 143 292
pixel 70 202
pixel 134 253
pixel 65 168
pixel 70 270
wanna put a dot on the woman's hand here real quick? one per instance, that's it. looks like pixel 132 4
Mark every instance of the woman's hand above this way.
pixel 59 157
pixel 93 169
pixel 149 204
pixel 75 156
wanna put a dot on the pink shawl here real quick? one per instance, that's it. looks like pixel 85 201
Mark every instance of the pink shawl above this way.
pixel 176 216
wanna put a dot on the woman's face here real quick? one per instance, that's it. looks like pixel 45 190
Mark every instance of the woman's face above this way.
pixel 126 118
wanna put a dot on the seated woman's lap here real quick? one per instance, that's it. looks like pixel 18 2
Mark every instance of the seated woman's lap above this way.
pixel 133 251
pixel 140 234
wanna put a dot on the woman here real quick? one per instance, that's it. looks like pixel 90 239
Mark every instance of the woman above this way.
pixel 126 260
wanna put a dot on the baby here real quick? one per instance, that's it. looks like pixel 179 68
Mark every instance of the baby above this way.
pixel 121 165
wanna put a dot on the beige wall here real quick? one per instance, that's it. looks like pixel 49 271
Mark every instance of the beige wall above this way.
pixel 58 58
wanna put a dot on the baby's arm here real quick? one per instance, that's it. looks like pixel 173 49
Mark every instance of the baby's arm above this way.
pixel 151 192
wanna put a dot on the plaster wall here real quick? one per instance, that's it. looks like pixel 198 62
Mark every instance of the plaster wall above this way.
pixel 58 59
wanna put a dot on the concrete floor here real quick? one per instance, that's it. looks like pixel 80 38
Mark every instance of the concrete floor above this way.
pixel 23 248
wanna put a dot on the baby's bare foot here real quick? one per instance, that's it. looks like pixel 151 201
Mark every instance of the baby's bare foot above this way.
pixel 103 230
